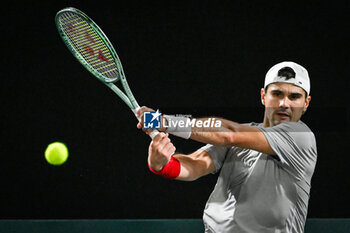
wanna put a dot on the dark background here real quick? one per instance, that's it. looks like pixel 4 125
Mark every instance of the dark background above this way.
pixel 199 58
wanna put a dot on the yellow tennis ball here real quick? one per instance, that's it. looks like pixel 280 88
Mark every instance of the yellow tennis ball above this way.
pixel 56 153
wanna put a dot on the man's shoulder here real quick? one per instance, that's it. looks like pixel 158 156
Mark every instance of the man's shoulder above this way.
pixel 255 124
pixel 291 126
pixel 298 127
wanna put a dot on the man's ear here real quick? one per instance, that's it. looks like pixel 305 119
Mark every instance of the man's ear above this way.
pixel 262 96
pixel 307 102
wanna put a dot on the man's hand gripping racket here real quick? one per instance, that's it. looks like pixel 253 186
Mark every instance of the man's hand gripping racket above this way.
pixel 93 50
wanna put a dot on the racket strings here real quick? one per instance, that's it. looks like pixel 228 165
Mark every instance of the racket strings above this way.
pixel 88 43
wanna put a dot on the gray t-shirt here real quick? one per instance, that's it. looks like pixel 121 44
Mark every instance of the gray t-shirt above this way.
pixel 260 193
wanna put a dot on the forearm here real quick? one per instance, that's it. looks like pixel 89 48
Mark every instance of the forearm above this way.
pixel 195 165
pixel 229 134
pixel 221 133
pixel 186 167
pixel 212 130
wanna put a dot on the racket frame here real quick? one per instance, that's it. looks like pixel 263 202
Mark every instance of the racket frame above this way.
pixel 128 98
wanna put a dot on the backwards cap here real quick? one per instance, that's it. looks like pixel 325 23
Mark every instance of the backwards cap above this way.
pixel 301 75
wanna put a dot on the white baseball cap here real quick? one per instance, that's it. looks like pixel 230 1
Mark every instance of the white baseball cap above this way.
pixel 301 75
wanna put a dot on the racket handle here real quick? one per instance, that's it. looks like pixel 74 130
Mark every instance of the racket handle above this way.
pixel 154 132
pixel 135 112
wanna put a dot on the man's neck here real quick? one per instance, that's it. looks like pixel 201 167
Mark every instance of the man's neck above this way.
pixel 266 122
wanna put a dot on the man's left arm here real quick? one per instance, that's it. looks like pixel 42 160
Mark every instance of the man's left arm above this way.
pixel 228 134
pixel 231 134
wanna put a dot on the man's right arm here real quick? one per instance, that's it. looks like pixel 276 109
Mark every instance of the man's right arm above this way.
pixel 195 165
pixel 192 166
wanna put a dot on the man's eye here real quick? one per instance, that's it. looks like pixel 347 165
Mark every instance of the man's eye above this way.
pixel 294 96
pixel 276 93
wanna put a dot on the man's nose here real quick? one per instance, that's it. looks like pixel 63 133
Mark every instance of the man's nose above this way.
pixel 284 102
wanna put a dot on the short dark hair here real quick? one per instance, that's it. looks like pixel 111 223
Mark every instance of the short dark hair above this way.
pixel 287 73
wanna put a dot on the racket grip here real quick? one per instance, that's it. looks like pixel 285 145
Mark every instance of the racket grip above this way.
pixel 154 132
pixel 135 112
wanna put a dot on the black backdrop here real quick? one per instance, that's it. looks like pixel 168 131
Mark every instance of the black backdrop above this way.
pixel 199 58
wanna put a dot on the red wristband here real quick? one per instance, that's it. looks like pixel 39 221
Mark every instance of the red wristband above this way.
pixel 171 170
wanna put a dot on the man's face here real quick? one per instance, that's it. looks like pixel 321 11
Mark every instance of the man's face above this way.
pixel 283 102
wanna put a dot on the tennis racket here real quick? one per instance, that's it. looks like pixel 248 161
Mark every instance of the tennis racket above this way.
pixel 94 51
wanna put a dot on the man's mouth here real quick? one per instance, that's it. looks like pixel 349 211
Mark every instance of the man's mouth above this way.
pixel 283 115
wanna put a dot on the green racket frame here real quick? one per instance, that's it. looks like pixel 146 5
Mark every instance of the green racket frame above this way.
pixel 129 98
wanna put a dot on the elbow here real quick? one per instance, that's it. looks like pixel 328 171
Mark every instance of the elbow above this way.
pixel 228 139
pixel 233 136
pixel 189 179
pixel 229 136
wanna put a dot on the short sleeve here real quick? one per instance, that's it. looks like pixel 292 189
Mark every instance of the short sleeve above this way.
pixel 295 146
pixel 217 153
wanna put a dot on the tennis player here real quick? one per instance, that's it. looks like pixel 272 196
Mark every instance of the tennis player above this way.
pixel 265 168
